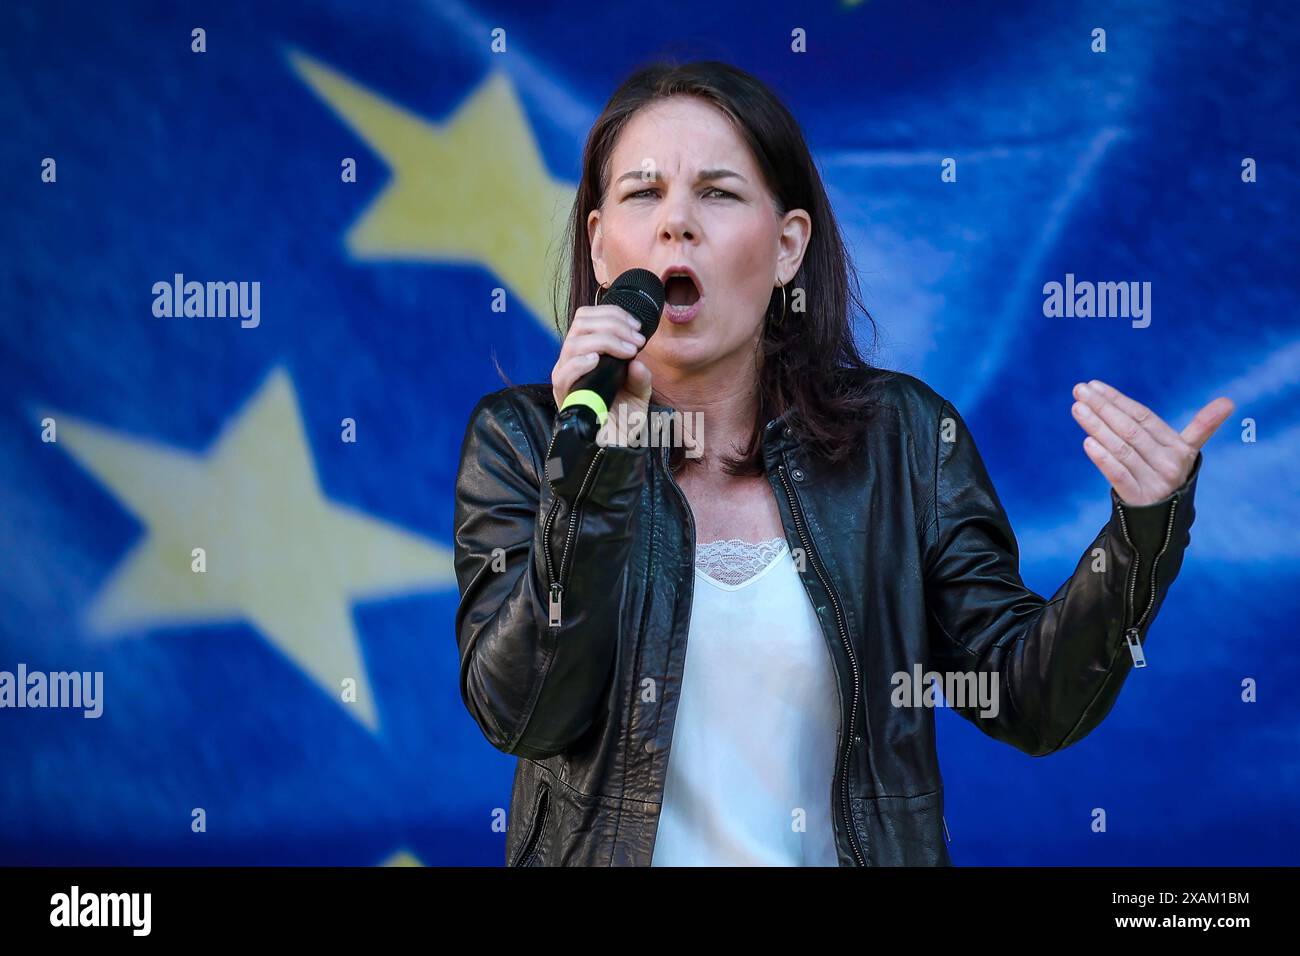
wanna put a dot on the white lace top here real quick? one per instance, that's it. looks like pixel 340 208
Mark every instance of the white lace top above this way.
pixel 752 759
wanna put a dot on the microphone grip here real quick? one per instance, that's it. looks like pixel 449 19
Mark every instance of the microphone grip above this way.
pixel 606 378
pixel 581 414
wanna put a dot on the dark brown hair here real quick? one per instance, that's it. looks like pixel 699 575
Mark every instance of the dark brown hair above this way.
pixel 809 362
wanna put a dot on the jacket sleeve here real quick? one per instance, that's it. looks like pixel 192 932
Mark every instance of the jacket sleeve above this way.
pixel 541 581
pixel 1058 664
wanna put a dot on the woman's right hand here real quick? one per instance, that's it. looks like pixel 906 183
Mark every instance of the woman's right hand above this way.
pixel 608 330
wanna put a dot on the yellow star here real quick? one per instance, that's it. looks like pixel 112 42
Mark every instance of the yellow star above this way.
pixel 277 553
pixel 402 858
pixel 474 189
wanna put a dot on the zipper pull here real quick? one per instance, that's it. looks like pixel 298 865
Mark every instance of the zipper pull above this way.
pixel 1135 648
pixel 556 590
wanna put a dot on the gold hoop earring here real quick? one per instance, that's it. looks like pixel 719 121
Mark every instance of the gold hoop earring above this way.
pixel 599 289
pixel 781 286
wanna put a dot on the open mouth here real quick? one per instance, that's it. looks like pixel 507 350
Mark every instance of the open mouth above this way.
pixel 680 291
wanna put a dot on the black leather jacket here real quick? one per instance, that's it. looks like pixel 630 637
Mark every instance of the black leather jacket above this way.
pixel 573 619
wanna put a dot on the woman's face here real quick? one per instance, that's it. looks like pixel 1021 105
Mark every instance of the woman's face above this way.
pixel 684 190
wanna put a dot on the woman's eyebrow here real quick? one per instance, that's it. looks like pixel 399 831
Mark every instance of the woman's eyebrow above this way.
pixel 705 174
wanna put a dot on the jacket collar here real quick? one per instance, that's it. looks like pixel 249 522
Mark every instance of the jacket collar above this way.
pixel 776 436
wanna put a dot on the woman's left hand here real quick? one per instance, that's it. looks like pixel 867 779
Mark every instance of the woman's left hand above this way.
pixel 1144 459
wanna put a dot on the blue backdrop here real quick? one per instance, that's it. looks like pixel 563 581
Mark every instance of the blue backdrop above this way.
pixel 297 702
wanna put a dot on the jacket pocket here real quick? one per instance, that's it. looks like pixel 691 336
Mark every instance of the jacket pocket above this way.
pixel 904 831
pixel 532 839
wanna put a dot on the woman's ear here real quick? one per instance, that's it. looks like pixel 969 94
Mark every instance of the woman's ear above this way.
pixel 792 243
pixel 597 243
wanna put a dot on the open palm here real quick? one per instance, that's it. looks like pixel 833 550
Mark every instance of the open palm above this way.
pixel 1143 458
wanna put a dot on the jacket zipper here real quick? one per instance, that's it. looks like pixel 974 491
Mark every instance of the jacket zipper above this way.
pixel 1132 633
pixel 806 539
pixel 575 514
pixel 690 520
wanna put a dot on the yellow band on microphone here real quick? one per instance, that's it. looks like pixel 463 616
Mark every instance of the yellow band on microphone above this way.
pixel 585 396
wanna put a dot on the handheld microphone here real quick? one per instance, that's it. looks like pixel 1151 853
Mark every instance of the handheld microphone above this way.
pixel 639 293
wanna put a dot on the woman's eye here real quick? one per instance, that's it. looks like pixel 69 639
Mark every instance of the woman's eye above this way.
pixel 712 189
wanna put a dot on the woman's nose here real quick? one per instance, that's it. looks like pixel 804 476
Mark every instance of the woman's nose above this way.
pixel 678 222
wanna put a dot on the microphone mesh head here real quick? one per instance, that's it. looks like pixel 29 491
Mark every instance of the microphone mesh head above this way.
pixel 639 292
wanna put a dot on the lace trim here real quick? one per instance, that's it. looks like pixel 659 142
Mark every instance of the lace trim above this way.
pixel 731 561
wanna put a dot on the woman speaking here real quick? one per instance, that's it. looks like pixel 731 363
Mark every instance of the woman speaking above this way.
pixel 712 659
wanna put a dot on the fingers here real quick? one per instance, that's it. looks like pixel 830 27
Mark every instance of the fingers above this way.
pixel 638 382
pixel 607 324
pixel 571 368
pixel 1149 420
pixel 1119 433
pixel 1144 459
pixel 1125 485
pixel 590 317
pixel 623 346
pixel 1207 421
pixel 1118 452
pixel 594 331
